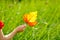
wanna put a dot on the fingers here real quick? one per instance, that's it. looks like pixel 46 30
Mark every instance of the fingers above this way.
pixel 24 24
pixel 21 28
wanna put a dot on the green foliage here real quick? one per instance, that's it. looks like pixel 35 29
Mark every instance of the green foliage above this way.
pixel 48 27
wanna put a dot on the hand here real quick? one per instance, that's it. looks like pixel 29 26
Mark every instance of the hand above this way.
pixel 21 28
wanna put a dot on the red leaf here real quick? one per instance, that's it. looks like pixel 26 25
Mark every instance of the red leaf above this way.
pixel 1 24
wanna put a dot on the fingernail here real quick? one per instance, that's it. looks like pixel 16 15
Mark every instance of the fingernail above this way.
pixel 24 24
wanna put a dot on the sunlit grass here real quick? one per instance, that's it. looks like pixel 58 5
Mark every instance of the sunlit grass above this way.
pixel 48 27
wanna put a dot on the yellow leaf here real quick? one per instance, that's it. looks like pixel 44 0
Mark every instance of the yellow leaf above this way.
pixel 32 16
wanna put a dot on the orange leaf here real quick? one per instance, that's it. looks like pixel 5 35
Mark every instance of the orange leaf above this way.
pixel 25 18
pixel 32 23
pixel 30 18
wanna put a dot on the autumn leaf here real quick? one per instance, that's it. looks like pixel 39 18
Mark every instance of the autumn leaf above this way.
pixel 1 24
pixel 30 18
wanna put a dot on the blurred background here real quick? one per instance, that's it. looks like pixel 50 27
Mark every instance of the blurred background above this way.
pixel 48 27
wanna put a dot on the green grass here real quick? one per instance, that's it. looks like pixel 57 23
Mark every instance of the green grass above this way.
pixel 48 27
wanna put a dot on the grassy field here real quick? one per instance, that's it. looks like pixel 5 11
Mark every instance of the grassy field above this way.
pixel 48 27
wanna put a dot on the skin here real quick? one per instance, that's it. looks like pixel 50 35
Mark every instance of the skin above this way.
pixel 11 35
